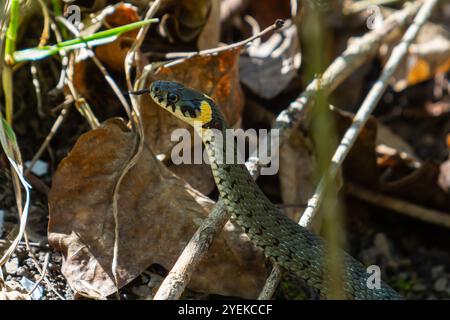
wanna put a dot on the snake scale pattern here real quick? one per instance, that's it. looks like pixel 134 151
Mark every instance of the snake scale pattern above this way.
pixel 292 246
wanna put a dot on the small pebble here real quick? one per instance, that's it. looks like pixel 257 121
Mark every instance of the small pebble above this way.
pixel 382 244
pixel 437 271
pixel 441 284
pixel 22 271
pixel 12 265
pixel 143 292
pixel 40 167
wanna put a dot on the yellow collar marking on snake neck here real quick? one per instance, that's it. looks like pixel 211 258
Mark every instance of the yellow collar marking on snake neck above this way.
pixel 205 112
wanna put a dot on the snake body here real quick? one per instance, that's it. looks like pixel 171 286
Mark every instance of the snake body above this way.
pixel 292 246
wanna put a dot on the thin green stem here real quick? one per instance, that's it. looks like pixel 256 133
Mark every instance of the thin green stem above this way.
pixel 11 33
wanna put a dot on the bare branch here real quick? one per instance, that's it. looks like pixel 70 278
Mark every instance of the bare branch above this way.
pixel 403 207
pixel 366 109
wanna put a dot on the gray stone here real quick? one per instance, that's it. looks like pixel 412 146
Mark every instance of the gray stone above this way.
pixel 382 244
pixel 22 271
pixel 437 271
pixel 143 292
pixel 12 265
pixel 441 284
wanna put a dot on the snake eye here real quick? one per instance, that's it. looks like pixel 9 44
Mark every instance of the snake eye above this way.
pixel 156 89
pixel 172 97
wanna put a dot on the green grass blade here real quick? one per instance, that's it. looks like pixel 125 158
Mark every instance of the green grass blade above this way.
pixel 93 40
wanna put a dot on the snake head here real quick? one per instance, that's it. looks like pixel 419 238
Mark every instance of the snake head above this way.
pixel 189 105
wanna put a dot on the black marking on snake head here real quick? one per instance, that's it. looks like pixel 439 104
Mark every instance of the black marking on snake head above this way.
pixel 188 111
pixel 173 106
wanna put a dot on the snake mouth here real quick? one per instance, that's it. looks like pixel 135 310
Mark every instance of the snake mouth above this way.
pixel 158 97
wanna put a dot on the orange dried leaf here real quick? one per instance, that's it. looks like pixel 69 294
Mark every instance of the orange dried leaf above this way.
pixel 113 54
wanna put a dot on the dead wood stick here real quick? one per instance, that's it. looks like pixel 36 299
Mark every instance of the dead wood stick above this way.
pixel 400 206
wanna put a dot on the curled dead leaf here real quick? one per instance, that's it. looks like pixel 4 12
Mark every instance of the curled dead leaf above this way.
pixel 184 20
pixel 391 171
pixel 158 214
pixel 270 67
pixel 113 54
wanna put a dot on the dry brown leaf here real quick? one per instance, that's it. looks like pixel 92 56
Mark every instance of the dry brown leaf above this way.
pixel 184 20
pixel 199 176
pixel 158 214
pixel 297 173
pixel 270 66
pixel 210 35
pixel 298 176
pixel 113 54
pixel 360 164
pixel 267 11
pixel 420 186
pixel 392 172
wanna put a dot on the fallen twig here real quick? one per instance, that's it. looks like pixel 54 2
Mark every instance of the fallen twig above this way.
pixel 187 55
pixel 271 283
pixel 43 272
pixel 22 244
pixel 401 206
pixel 50 135
pixel 177 279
